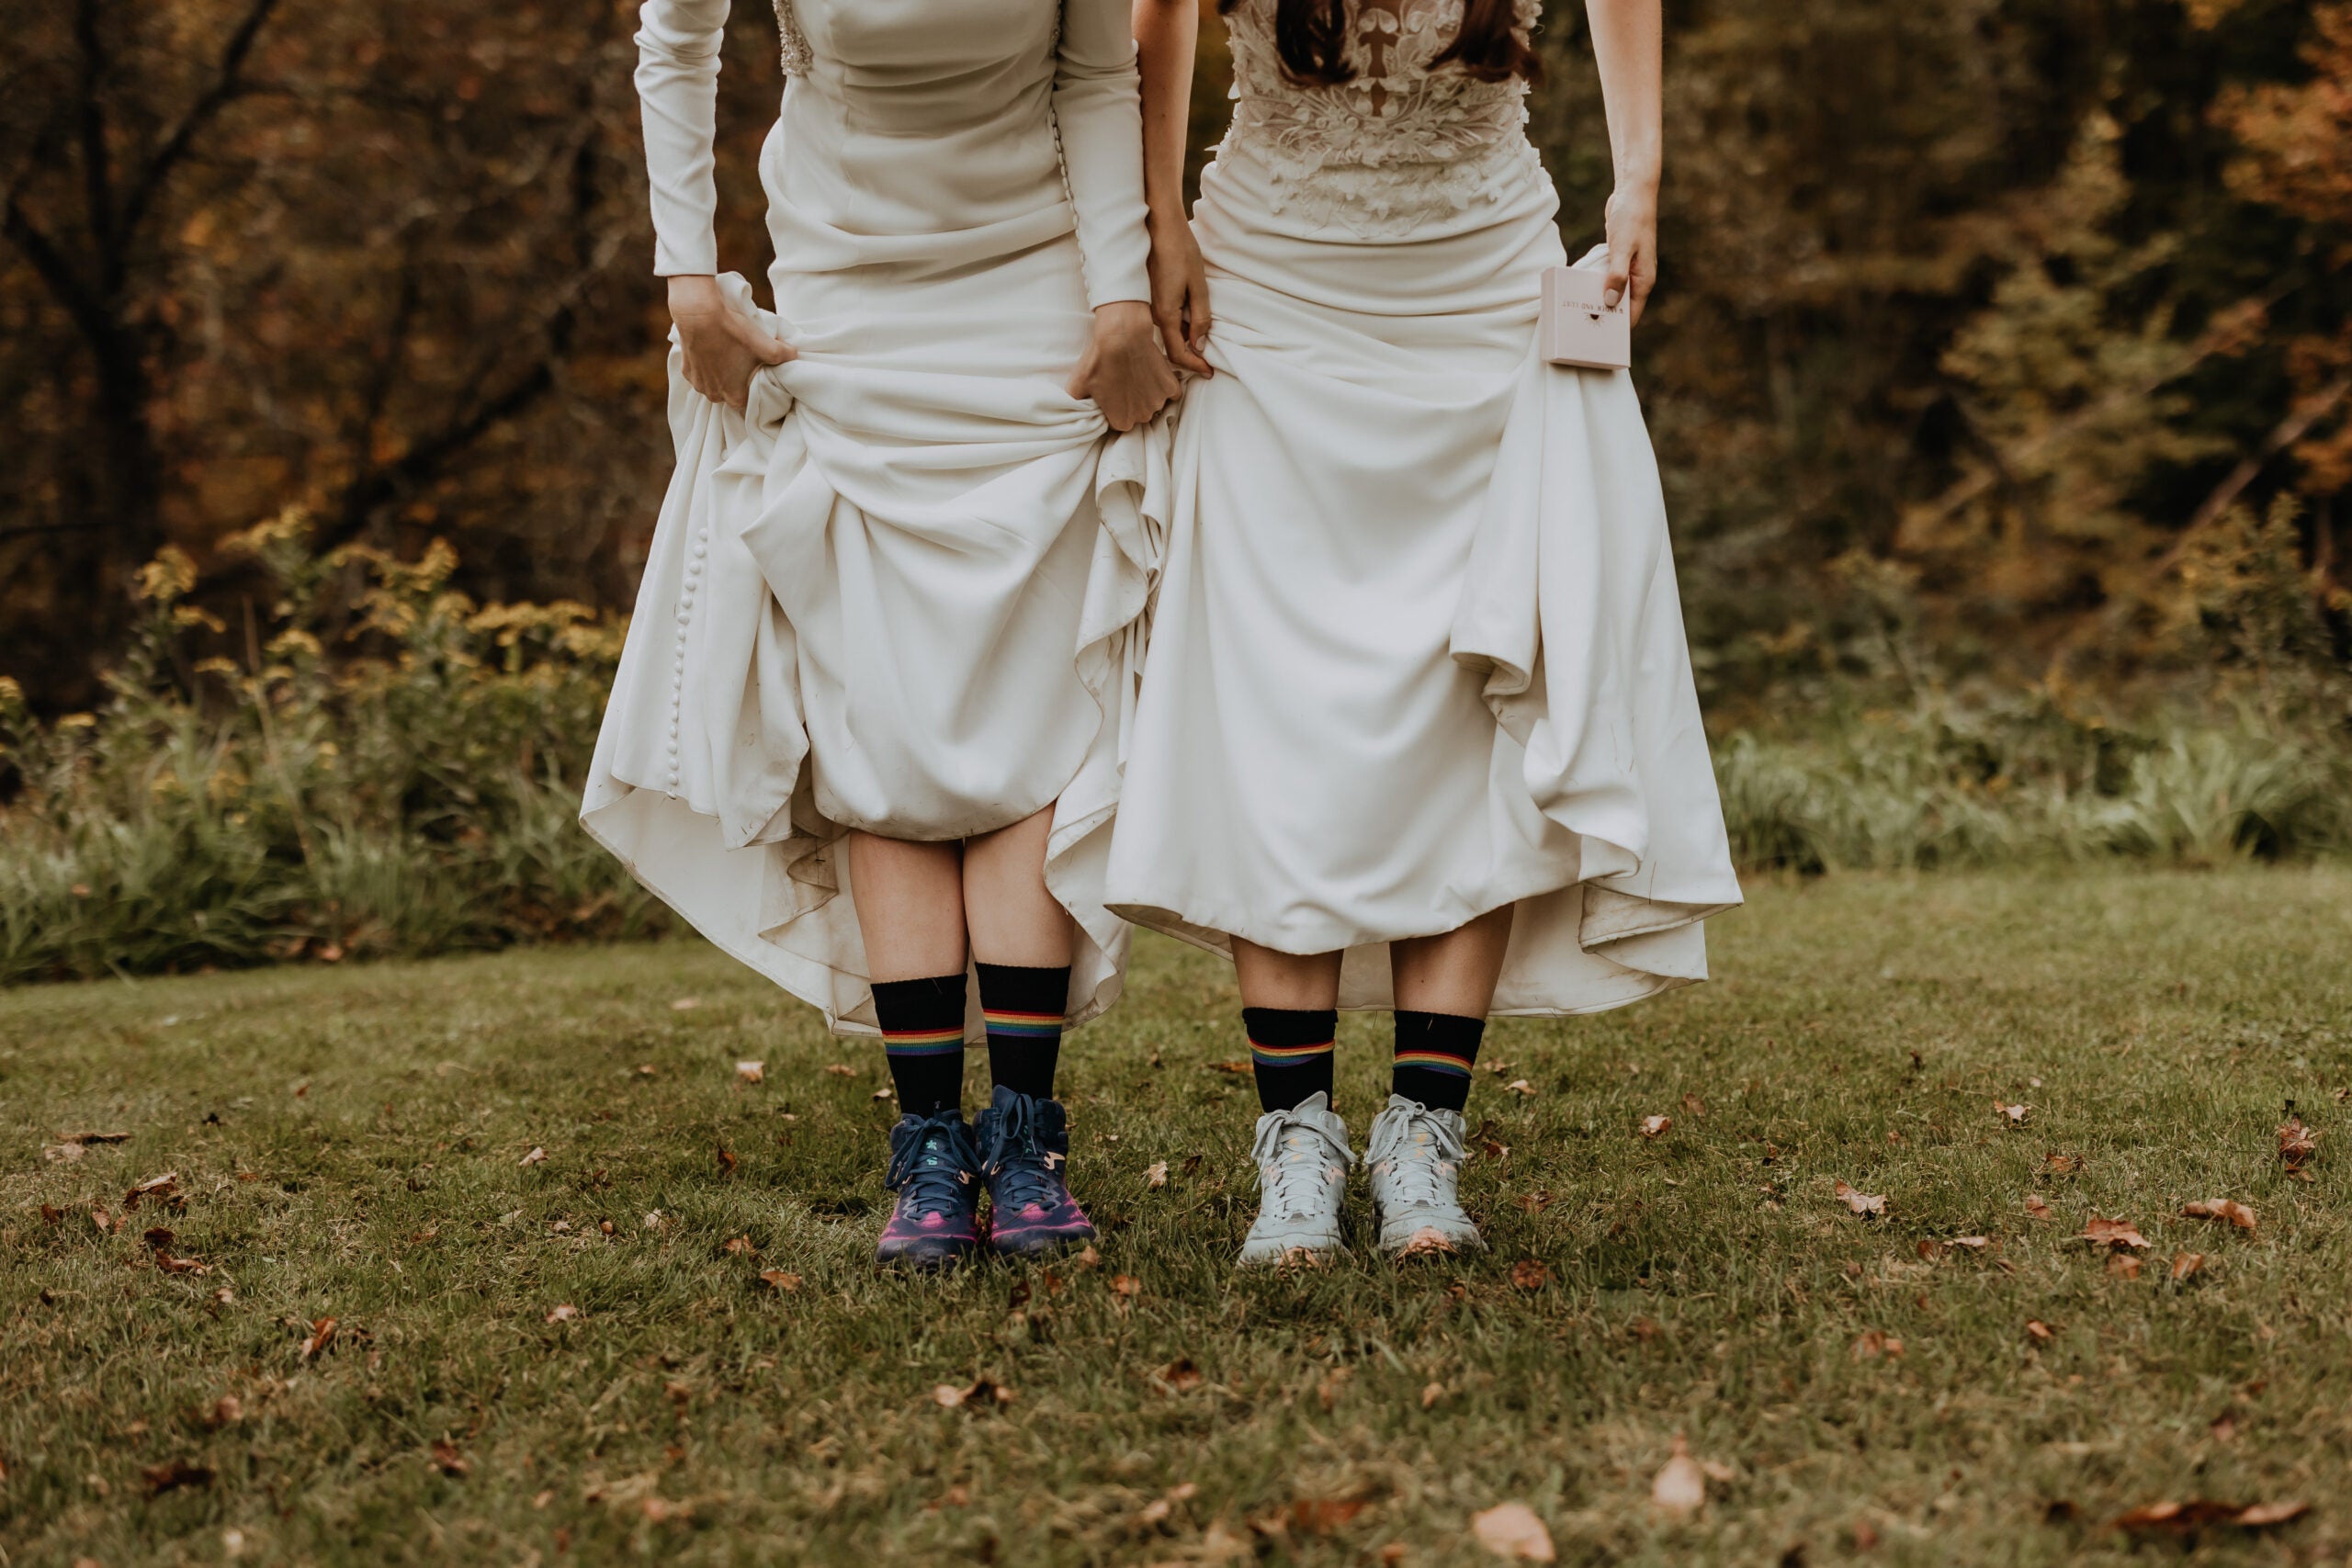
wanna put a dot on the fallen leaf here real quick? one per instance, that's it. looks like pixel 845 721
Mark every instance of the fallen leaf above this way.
pixel 321 1336
pixel 1695 1105
pixel 2112 1233
pixel 173 1474
pixel 1652 1126
pixel 1643 1329
pixel 2035 1208
pixel 563 1314
pixel 62 1154
pixel 1156 1174
pixel 685 1004
pixel 1519 1087
pixel 739 1245
pixel 87 1138
pixel 1321 1516
pixel 2123 1266
pixel 1180 1376
pixel 1533 1202
pixel 2180 1519
pixel 536 1157
pixel 1431 1394
pixel 1975 1243
pixel 751 1072
pixel 1680 1487
pixel 2015 1113
pixel 159 1188
pixel 1531 1274
pixel 170 1265
pixel 981 1394
pixel 2184 1264
pixel 1874 1342
pixel 1326 1392
pixel 1864 1203
pixel 100 1218
pixel 885 1092
pixel 841 1069
pixel 1512 1531
pixel 449 1460
pixel 2039 1331
pixel 645 1069
pixel 725 1160
pixel 1493 1150
pixel 653 1220
pixel 2063 1165
pixel 2235 1213
pixel 1125 1286
pixel 1238 1069
pixel 780 1280
pixel 2296 1143
pixel 1086 1258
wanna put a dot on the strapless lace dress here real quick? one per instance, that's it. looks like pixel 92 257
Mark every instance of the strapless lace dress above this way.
pixel 1418 652
pixel 904 590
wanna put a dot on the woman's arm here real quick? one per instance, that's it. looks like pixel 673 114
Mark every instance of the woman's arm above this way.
pixel 1096 99
pixel 1626 40
pixel 1167 33
pixel 677 91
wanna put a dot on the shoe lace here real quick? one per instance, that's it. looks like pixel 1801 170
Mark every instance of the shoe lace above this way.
pixel 1295 1162
pixel 1417 1171
pixel 1023 1167
pixel 930 1166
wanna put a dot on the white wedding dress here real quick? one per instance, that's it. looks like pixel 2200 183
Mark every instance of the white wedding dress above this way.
pixel 1418 652
pixel 904 589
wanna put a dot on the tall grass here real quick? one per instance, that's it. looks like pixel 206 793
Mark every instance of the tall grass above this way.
pixel 389 767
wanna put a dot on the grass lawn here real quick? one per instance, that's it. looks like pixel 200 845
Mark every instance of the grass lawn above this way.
pixel 357 1144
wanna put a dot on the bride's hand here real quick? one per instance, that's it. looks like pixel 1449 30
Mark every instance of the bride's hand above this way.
pixel 723 347
pixel 1180 293
pixel 1633 248
pixel 1124 370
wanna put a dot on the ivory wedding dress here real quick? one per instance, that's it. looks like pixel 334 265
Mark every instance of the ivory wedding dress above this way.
pixel 1418 652
pixel 903 590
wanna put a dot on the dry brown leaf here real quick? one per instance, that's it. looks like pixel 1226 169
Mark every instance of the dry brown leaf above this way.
pixel 1494 1150
pixel 1156 1174
pixel 1326 1392
pixel 1238 1069
pixel 1321 1516
pixel 173 1474
pixel 685 1004
pixel 159 1188
pixel 751 1072
pixel 2296 1143
pixel 1652 1126
pixel 1680 1487
pixel 983 1394
pixel 1519 1087
pixel 2063 1165
pixel 1127 1285
pixel 725 1160
pixel 321 1334
pixel 2015 1114
pixel 104 1221
pixel 1974 1243
pixel 2035 1208
pixel 739 1246
pixel 2039 1331
pixel 87 1138
pixel 2204 1513
pixel 2123 1265
pixel 158 1237
pixel 885 1092
pixel 1512 1531
pixel 778 1279
pixel 1086 1258
pixel 563 1314
pixel 1874 1342
pixel 536 1157
pixel 1533 1202
pixel 1864 1203
pixel 225 1411
pixel 170 1265
pixel 449 1460
pixel 62 1154
pixel 2227 1209
pixel 1531 1274
pixel 841 1069
pixel 1431 1394
pixel 2184 1264
pixel 1180 1376
pixel 2112 1233
pixel 1695 1106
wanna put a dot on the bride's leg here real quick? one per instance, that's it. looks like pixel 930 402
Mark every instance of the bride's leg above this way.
pixel 1289 1006
pixel 1023 940
pixel 910 912
pixel 1444 985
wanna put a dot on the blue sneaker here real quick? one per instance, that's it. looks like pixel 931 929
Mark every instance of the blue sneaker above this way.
pixel 1026 1142
pixel 934 1171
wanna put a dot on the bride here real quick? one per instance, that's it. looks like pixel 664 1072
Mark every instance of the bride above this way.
pixel 866 726
pixel 1418 731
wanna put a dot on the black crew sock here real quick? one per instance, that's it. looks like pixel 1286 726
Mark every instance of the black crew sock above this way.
pixel 922 1035
pixel 1435 1054
pixel 1024 1007
pixel 1290 1049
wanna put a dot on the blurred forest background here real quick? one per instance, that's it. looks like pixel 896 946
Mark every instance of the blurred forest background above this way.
pixel 2001 372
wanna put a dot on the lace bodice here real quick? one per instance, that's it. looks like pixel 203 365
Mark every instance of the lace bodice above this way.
pixel 1402 143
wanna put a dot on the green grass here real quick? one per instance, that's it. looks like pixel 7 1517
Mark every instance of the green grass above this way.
pixel 347 1142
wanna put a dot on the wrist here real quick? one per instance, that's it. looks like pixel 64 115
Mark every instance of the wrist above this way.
pixel 1638 176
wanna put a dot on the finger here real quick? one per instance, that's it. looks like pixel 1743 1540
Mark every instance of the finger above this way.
pixel 778 351
pixel 1184 356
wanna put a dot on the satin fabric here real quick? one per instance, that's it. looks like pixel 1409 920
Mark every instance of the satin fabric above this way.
pixel 904 589
pixel 1418 652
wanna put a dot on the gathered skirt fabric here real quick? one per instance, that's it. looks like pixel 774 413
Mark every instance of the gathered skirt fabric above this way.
pixel 903 590
pixel 1418 652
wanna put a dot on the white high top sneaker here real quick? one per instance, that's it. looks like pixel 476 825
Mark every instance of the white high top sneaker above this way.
pixel 1303 1160
pixel 1414 1158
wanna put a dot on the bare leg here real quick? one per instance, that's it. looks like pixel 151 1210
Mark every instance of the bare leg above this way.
pixel 1012 918
pixel 1454 972
pixel 910 906
pixel 1271 979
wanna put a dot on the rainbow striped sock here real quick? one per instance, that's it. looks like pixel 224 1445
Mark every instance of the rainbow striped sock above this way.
pixel 1023 1007
pixel 1435 1052
pixel 922 1038
pixel 1290 1050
